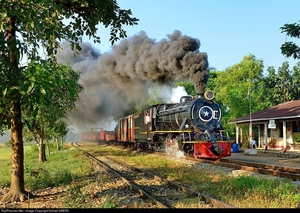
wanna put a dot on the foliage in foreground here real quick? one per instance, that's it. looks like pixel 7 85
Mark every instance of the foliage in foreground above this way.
pixel 63 167
pixel 68 166
pixel 242 191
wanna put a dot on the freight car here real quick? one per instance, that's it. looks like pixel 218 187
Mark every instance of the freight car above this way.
pixel 98 135
pixel 91 135
pixel 192 126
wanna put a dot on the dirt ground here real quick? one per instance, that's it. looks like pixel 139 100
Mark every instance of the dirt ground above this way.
pixel 46 198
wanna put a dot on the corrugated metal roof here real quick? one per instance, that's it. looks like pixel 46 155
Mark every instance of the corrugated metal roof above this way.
pixel 287 110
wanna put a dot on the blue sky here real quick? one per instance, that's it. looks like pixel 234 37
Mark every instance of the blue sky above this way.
pixel 227 29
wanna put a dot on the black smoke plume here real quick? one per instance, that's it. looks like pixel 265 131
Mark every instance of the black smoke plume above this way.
pixel 115 81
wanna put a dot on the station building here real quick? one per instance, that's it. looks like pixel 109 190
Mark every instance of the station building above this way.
pixel 278 126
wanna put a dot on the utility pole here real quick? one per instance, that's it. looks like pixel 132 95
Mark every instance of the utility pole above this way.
pixel 250 119
pixel 284 75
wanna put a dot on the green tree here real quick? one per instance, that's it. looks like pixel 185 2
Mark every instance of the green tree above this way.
pixel 55 134
pixel 295 82
pixel 289 48
pixel 232 85
pixel 211 83
pixel 281 86
pixel 59 131
pixel 26 27
pixel 272 95
pixel 278 85
pixel 62 88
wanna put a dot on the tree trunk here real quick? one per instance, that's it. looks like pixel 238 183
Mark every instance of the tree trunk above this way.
pixel 57 143
pixel 48 147
pixel 17 191
pixel 42 152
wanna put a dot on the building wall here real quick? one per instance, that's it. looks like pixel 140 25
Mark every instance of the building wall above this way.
pixel 275 137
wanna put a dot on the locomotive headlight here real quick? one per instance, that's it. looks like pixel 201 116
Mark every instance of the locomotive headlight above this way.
pixel 209 95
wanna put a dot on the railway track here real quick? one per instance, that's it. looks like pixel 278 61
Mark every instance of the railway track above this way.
pixel 265 169
pixel 279 171
pixel 259 168
pixel 160 191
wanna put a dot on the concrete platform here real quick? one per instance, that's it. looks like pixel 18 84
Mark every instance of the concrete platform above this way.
pixel 250 152
pixel 273 152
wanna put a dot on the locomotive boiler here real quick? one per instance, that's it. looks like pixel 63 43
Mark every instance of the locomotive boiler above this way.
pixel 192 126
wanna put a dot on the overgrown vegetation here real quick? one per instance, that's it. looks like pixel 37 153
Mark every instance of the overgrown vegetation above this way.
pixel 68 167
pixel 242 191
pixel 36 91
pixel 62 167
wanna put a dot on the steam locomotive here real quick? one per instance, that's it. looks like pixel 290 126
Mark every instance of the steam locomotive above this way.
pixel 192 126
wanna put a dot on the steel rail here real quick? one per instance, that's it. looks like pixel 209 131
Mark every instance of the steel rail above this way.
pixel 135 186
pixel 266 169
pixel 216 203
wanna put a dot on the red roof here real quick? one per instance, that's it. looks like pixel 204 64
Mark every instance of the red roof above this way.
pixel 287 110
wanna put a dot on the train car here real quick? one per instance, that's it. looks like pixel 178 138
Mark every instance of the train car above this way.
pixel 98 135
pixel 192 126
pixel 109 136
pixel 93 135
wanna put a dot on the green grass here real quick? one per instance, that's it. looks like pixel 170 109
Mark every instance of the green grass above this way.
pixel 68 165
pixel 242 191
pixel 61 168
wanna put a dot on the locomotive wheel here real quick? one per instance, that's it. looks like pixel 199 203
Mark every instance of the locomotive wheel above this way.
pixel 157 146
pixel 143 146
pixel 188 148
